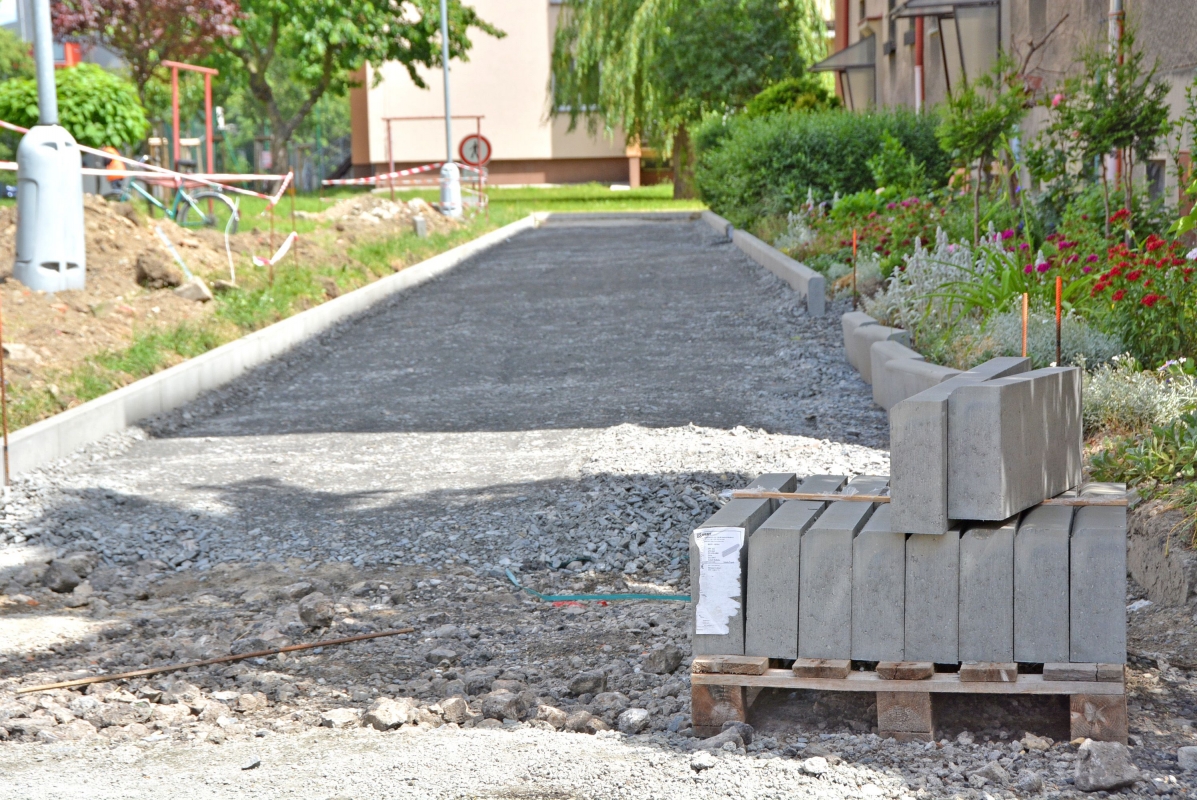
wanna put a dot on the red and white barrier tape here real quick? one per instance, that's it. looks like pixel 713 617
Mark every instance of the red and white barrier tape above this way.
pixel 389 176
pixel 278 256
pixel 197 179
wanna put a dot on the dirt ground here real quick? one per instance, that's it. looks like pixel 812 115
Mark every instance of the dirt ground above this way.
pixel 46 335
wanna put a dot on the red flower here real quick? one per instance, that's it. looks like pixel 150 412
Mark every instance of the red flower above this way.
pixel 1151 299
pixel 1118 295
pixel 1134 275
pixel 1119 215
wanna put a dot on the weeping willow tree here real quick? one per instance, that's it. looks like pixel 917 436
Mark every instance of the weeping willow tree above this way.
pixel 651 69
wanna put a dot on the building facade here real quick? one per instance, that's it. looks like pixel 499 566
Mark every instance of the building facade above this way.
pixel 501 92
pixel 909 52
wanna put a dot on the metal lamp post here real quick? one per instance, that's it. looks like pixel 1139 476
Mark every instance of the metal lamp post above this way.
pixel 51 255
pixel 450 175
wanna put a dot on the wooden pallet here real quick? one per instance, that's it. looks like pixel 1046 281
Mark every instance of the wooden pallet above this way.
pixel 722 689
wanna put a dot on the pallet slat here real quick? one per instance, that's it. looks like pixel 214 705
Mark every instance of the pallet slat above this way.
pixel 939 683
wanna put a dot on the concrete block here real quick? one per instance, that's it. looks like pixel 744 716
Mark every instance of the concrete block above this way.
pixel 860 345
pixel 849 322
pixel 810 285
pixel 878 589
pixel 825 590
pixel 1097 589
pixel 1041 585
pixel 774 482
pixel 746 514
pixel 717 223
pixel 771 625
pixel 881 354
pixel 987 592
pixel 918 436
pixel 932 598
pixel 900 378
pixel 1013 442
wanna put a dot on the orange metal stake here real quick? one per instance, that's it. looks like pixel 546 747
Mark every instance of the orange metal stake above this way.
pixel 1026 299
pixel 854 269
pixel 1059 314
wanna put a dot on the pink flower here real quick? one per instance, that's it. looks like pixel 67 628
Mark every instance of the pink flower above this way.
pixel 1043 266
pixel 1092 259
pixel 1028 269
pixel 1024 246
pixel 1059 98
pixel 1086 270
pixel 1007 234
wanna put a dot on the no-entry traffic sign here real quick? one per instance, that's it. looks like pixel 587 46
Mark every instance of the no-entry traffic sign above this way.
pixel 475 150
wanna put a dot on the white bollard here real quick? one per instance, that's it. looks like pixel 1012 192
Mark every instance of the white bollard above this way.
pixel 451 191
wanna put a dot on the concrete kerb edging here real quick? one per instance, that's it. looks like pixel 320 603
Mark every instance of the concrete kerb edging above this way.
pixel 62 434
pixel 883 358
pixel 810 285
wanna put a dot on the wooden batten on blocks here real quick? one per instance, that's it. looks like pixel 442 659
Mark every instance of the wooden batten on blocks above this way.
pixel 977 671
pixel 822 668
pixel 730 665
pixel 905 670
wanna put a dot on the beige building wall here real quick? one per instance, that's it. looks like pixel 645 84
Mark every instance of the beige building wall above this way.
pixel 506 81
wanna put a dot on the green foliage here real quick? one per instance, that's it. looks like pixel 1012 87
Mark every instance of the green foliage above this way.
pixel 288 55
pixel 805 93
pixel 1117 104
pixel 981 116
pixel 96 106
pixel 653 67
pixel 896 170
pixel 1152 463
pixel 1121 396
pixel 749 169
pixel 16 58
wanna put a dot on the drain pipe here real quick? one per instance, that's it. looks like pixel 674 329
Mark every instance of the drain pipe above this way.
pixel 919 85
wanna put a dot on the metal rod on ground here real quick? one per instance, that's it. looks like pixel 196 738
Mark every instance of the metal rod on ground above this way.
pixel 752 494
pixel 296 256
pixel 139 673
pixel 271 276
pixel 1026 299
pixel 1059 315
pixel 854 269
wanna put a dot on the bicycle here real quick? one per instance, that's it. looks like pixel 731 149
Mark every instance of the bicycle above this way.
pixel 187 209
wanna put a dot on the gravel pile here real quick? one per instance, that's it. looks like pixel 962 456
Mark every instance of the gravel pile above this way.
pixel 354 488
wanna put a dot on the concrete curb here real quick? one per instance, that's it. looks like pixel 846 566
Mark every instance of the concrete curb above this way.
pixel 882 357
pixel 62 434
pixel 805 281
pixel 718 223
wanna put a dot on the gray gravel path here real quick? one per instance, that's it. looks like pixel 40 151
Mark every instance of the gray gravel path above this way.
pixel 567 406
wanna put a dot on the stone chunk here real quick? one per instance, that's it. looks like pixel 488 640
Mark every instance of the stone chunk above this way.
pixel 771 627
pixel 340 717
pixel 195 289
pixel 386 714
pixel 316 610
pixel 588 683
pixel 455 710
pixel 501 706
pixel 1013 442
pixel 1187 757
pixel 663 661
pixel 1104 767
pixel 552 715
pixel 633 721
pixel 60 578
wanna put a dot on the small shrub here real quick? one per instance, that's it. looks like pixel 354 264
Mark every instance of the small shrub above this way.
pixel 1121 397
pixel 1080 343
pixel 750 168
pixel 1152 463
pixel 805 93
pixel 98 107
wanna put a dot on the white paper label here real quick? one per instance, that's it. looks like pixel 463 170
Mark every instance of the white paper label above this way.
pixel 719 578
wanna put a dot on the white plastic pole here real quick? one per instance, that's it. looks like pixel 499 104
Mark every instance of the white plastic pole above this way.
pixel 43 56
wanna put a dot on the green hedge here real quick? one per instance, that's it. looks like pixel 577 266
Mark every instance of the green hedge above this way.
pixel 748 169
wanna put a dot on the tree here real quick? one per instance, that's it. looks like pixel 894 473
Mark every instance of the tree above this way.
pixel 653 68
pixel 144 33
pixel 1116 105
pixel 16 61
pixel 289 54
pixel 97 107
pixel 979 116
